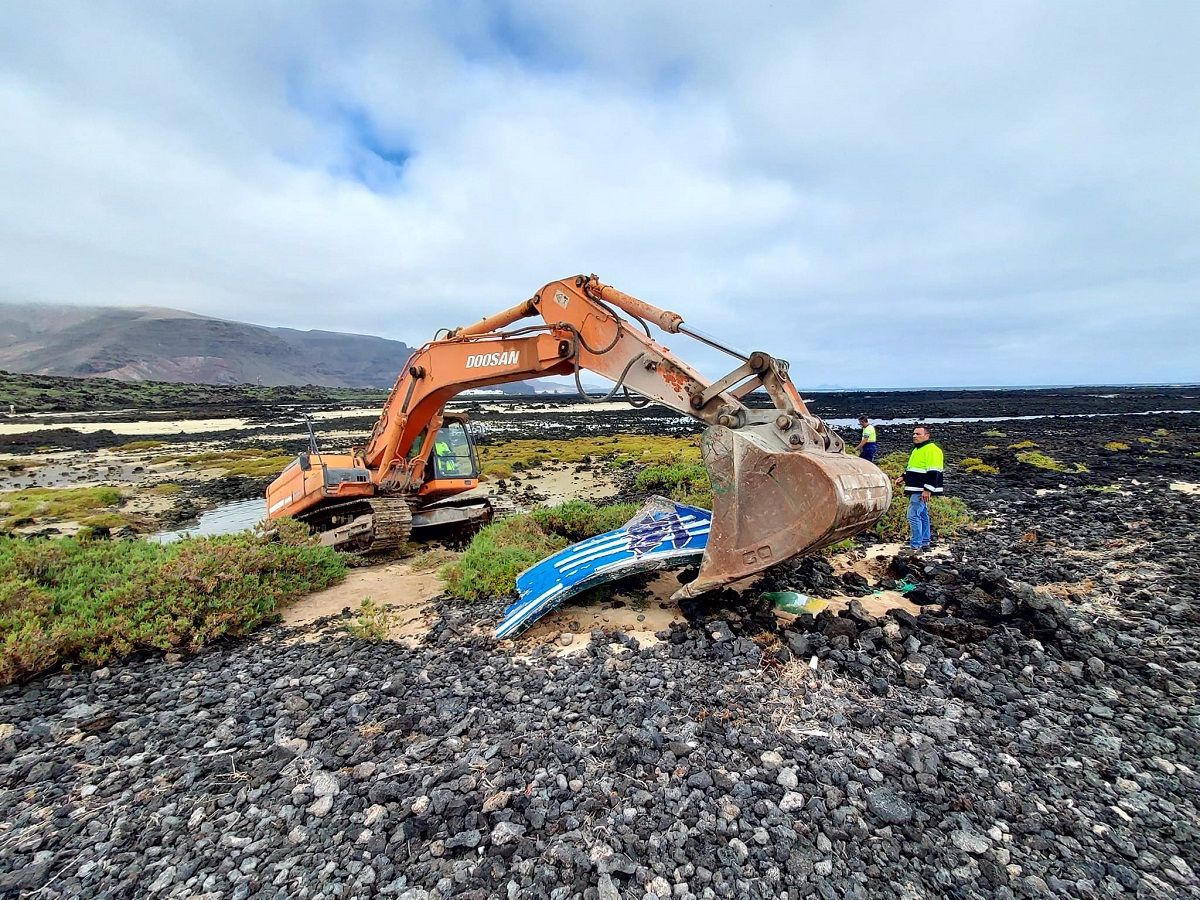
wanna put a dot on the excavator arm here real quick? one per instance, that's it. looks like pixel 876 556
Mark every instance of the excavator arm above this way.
pixel 582 332
pixel 782 483
pixel 439 371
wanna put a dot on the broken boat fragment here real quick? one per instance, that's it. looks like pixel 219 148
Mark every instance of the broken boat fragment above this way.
pixel 661 535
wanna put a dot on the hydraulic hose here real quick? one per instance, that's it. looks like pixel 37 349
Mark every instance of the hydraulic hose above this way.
pixel 616 387
pixel 620 382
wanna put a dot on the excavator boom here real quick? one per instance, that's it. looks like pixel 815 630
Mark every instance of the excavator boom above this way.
pixel 782 482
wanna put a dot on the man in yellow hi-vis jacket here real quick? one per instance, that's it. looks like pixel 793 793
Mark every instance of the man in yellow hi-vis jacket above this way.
pixel 922 479
pixel 447 464
pixel 866 446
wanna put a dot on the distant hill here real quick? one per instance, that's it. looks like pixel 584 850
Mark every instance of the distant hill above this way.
pixel 151 344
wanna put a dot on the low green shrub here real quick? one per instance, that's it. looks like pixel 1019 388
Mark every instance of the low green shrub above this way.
pixel 252 462
pixel 947 516
pixel 531 452
pixel 500 552
pixel 576 520
pixel 978 466
pixel 702 498
pixel 1116 446
pixel 495 470
pixel 685 482
pixel 1022 445
pixel 893 464
pixel 1040 460
pixel 427 559
pixel 67 600
pixel 993 433
pixel 105 521
pixel 841 546
pixel 71 504
pixel 373 622
pixel 140 445
pixel 496 556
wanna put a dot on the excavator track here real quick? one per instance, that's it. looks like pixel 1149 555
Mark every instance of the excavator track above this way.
pixel 459 518
pixel 363 527
pixel 502 507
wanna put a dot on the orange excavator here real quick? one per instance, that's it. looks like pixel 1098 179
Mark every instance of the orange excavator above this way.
pixel 782 482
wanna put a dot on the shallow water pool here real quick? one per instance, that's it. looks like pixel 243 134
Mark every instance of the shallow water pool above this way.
pixel 228 518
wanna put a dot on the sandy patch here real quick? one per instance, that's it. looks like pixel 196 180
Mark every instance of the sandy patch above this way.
pixel 875 604
pixel 177 426
pixel 870 564
pixel 637 616
pixel 1186 487
pixel 1067 590
pixel 407 594
pixel 147 506
pixel 557 407
pixel 356 412
pixel 561 483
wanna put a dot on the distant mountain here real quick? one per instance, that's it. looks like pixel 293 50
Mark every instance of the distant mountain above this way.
pixel 151 344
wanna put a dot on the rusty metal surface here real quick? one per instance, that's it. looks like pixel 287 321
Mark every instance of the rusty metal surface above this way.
pixel 771 503
pixel 665 319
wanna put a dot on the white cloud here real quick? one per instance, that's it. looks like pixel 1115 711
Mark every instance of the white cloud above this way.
pixel 1021 176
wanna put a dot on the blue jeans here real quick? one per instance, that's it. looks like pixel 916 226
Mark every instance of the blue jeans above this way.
pixel 868 451
pixel 918 521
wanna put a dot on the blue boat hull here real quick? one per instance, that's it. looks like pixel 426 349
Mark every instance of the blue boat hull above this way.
pixel 661 535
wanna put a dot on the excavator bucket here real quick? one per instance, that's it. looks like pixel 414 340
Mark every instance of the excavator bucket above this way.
pixel 772 502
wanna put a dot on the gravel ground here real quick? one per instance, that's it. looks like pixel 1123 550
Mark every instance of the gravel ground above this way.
pixel 1033 733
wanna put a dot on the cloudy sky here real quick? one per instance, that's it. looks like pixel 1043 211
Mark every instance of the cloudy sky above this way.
pixel 886 194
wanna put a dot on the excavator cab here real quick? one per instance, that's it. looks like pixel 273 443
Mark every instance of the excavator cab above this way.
pixel 451 466
pixel 453 452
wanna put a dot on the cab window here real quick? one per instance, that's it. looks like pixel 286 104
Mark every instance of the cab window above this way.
pixel 451 455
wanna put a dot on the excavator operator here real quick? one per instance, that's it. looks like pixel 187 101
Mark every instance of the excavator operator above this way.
pixel 447 460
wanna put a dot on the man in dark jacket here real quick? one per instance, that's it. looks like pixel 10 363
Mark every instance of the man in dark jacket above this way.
pixel 922 480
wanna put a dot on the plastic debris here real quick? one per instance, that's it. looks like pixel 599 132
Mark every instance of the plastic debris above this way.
pixel 903 586
pixel 795 604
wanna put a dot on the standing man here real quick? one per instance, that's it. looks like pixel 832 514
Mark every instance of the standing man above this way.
pixel 866 446
pixel 922 479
